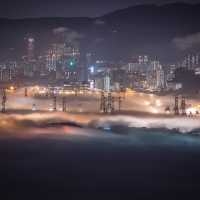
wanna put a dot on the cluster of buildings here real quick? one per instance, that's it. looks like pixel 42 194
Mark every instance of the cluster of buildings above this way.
pixel 192 62
pixel 8 71
pixel 140 74
pixel 63 62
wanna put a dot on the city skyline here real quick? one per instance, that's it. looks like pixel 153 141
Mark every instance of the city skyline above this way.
pixel 99 99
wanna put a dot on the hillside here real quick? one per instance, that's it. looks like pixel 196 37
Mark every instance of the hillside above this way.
pixel 166 31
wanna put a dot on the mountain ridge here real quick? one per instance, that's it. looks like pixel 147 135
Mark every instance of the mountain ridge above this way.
pixel 142 29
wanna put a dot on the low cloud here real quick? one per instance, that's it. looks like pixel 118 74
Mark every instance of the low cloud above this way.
pixel 59 30
pixel 187 42
pixel 99 22
pixel 70 36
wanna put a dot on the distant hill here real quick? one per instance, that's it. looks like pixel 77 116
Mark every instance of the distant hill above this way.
pixel 167 31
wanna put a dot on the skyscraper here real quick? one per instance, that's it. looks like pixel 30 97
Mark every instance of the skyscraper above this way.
pixel 30 48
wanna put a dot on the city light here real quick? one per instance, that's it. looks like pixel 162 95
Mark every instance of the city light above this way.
pixel 92 69
pixel 34 107
pixel 154 111
pixel 192 111
pixel 12 87
pixel 158 103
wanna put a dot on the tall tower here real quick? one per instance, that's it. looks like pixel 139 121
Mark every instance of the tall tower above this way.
pixel 30 48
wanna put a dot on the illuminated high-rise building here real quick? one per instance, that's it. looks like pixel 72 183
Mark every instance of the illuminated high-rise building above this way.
pixel 30 48
pixel 156 76
pixel 144 59
pixel 65 61
pixel 191 61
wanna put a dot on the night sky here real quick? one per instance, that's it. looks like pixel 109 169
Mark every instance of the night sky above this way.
pixel 68 8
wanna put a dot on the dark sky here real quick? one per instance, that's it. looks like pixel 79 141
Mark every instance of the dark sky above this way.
pixel 68 8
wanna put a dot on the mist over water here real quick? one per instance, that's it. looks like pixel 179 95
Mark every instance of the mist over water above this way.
pixel 176 124
pixel 95 126
pixel 81 147
pixel 180 124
